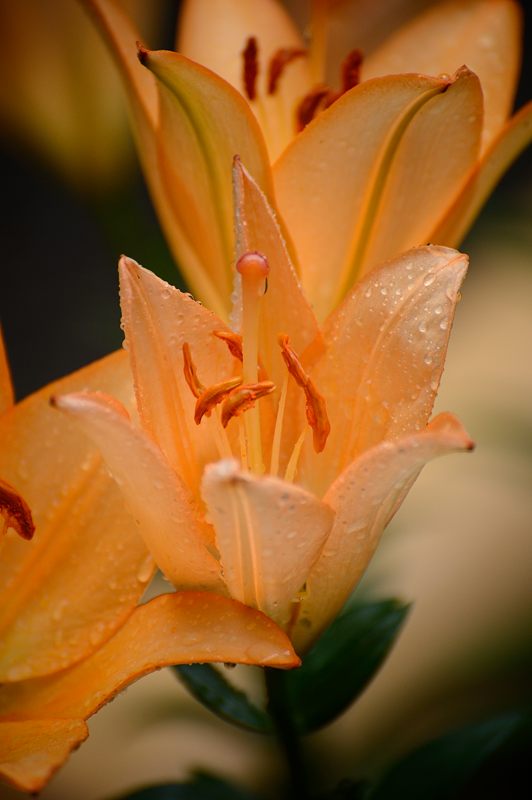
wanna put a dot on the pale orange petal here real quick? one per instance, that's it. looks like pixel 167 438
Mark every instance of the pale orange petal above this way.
pixel 215 33
pixel 6 386
pixel 484 34
pixel 179 628
pixel 158 320
pixel 153 492
pixel 269 533
pixel 31 751
pixel 365 497
pixel 67 590
pixel 386 347
pixel 512 141
pixel 437 151
pixel 284 308
pixel 141 87
pixel 204 123
pixel 329 179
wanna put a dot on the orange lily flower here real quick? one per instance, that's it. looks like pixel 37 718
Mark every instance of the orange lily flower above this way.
pixel 395 162
pixel 267 462
pixel 72 633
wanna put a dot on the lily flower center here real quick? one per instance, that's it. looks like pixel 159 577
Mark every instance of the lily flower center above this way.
pixel 237 396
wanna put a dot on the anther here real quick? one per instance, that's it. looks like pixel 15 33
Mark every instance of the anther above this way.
pixel 244 398
pixel 278 63
pixel 251 67
pixel 351 70
pixel 310 105
pixel 233 342
pixel 15 511
pixel 315 408
pixel 189 370
pixel 212 396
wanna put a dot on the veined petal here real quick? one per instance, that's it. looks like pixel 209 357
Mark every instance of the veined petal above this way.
pixel 283 307
pixel 385 352
pixel 153 492
pixel 158 320
pixel 171 629
pixel 484 34
pixel 31 751
pixel 179 226
pixel 513 139
pixel 428 171
pixel 269 533
pixel 64 592
pixel 204 122
pixel 365 497
pixel 215 33
pixel 6 386
pixel 177 628
pixel 328 195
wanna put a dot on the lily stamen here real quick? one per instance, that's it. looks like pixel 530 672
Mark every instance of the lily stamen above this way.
pixel 243 398
pixel 316 409
pixel 15 511
pixel 190 373
pixel 278 63
pixel 212 396
pixel 250 67
pixel 233 342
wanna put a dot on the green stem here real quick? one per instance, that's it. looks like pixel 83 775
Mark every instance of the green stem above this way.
pixel 286 733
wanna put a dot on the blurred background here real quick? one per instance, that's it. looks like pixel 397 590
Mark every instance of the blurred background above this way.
pixel 461 547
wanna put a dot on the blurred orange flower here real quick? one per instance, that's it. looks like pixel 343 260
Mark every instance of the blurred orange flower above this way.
pixel 396 161
pixel 71 631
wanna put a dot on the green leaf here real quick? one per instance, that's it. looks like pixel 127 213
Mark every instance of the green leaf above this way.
pixel 201 787
pixel 342 663
pixel 217 694
pixel 444 767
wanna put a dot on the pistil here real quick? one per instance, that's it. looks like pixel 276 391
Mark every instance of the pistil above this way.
pixel 253 269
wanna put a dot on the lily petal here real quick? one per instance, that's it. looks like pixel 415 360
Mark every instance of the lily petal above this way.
pixel 437 151
pixel 484 34
pixel 215 33
pixel 143 96
pixel 158 320
pixel 153 492
pixel 176 628
pixel 328 196
pixel 203 123
pixel 64 592
pixel 284 308
pixel 6 387
pixel 31 751
pixel 365 496
pixel 269 533
pixel 512 141
pixel 386 347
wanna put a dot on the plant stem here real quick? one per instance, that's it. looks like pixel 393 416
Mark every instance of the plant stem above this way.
pixel 287 735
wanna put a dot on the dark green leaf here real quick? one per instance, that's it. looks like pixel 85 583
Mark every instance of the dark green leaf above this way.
pixel 202 787
pixel 443 768
pixel 342 663
pixel 217 694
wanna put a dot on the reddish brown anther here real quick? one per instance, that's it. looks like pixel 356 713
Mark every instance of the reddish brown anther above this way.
pixel 243 398
pixel 310 105
pixel 351 70
pixel 212 396
pixel 191 375
pixel 233 342
pixel 315 408
pixel 251 67
pixel 278 63
pixel 15 511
